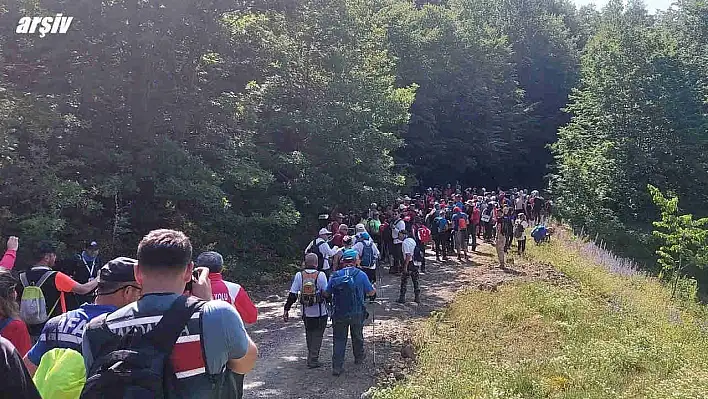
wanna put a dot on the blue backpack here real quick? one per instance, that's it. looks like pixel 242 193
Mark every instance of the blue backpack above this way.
pixel 442 224
pixel 367 255
pixel 344 294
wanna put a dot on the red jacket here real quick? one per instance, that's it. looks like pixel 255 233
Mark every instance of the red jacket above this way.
pixel 235 295
pixel 8 260
pixel 476 216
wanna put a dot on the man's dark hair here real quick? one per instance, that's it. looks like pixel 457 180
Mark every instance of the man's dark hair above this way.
pixel 44 248
pixel 164 249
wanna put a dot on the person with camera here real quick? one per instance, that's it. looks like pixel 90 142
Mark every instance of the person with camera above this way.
pixel 202 342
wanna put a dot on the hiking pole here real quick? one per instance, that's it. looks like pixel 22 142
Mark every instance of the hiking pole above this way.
pixel 373 322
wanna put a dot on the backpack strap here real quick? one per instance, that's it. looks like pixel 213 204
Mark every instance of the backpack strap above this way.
pixel 23 279
pixel 44 278
pixel 165 334
pixel 5 322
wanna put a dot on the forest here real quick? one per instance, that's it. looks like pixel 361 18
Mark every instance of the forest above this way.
pixel 239 121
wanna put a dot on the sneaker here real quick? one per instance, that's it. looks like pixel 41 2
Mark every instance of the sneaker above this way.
pixel 314 365
pixel 337 372
pixel 401 300
pixel 360 360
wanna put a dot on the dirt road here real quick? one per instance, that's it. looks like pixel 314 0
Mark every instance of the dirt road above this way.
pixel 281 372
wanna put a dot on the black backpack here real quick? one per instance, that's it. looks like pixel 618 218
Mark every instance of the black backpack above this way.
pixel 138 365
pixel 315 249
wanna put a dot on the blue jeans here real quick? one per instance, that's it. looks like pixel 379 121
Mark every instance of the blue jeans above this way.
pixel 341 329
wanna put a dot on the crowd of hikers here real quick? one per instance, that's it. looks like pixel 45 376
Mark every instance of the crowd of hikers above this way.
pixel 166 324
pixel 341 264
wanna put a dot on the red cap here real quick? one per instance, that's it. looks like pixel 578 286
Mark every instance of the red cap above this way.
pixel 457 209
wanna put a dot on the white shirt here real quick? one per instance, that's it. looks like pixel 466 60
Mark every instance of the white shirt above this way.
pixel 401 225
pixel 359 246
pixel 296 287
pixel 525 225
pixel 519 203
pixel 408 247
pixel 325 250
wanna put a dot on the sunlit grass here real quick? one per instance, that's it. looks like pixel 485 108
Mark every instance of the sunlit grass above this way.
pixel 607 336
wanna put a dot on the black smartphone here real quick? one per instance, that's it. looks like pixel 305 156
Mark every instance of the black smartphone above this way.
pixel 195 277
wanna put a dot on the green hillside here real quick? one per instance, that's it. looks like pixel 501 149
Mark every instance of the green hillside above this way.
pixel 600 334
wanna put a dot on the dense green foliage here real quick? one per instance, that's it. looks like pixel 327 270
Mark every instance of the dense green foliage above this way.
pixel 684 247
pixel 240 121
pixel 639 116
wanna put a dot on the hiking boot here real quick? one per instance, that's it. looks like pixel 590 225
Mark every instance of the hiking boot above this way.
pixel 401 300
pixel 360 360
pixel 417 299
pixel 314 364
pixel 337 372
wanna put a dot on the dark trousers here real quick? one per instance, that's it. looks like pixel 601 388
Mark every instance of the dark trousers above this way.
pixel 413 272
pixel 341 329
pixel 397 258
pixel 509 240
pixel 440 248
pixel 473 233
pixel 521 245
pixel 488 230
pixel 387 247
pixel 314 331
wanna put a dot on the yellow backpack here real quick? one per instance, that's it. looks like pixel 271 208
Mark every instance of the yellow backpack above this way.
pixel 61 374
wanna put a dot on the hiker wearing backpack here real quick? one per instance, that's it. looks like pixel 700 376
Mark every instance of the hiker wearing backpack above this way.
pixel 167 344
pixel 475 214
pixel 411 264
pixel 460 220
pixel 398 225
pixel 520 233
pixel 308 286
pixel 422 236
pixel 116 288
pixel 507 222
pixel 226 290
pixel 348 287
pixel 386 240
pixel 487 221
pixel 320 247
pixel 373 227
pixel 443 232
pixel 16 382
pixel 42 290
pixel 348 243
pixel 11 326
pixel 368 256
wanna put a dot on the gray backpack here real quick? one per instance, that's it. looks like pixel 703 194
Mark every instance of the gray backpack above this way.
pixel 33 307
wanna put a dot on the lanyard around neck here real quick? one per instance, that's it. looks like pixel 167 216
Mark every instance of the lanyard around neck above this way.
pixel 90 269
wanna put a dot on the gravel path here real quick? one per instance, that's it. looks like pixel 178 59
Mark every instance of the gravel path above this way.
pixel 280 371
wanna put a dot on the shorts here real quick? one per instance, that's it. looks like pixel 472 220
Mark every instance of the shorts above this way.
pixel 370 273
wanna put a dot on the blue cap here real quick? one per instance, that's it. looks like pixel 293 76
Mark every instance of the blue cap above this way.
pixel 350 254
pixel 365 236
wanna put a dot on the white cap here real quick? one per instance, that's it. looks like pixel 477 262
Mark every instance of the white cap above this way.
pixel 402 207
pixel 360 228
pixel 324 231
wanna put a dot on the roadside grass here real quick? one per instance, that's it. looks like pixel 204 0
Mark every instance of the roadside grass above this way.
pixel 605 336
